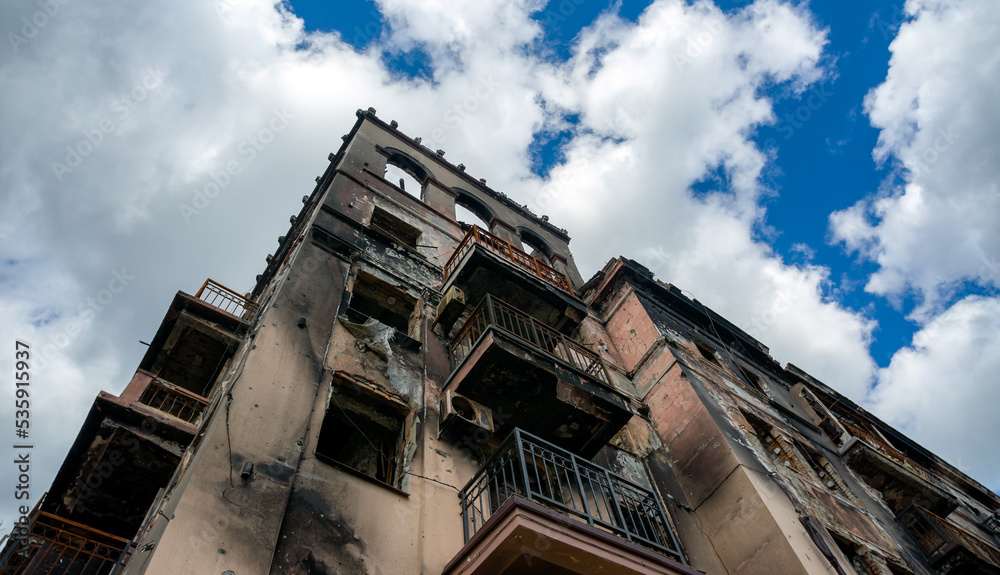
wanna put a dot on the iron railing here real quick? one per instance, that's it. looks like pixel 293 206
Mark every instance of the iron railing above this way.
pixel 174 400
pixel 509 252
pixel 876 442
pixel 214 293
pixel 538 471
pixel 937 536
pixel 495 313
pixel 992 523
pixel 57 546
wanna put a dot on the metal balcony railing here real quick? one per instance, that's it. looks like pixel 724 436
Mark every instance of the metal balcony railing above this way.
pixel 214 293
pixel 876 442
pixel 507 251
pixel 938 536
pixel 495 313
pixel 57 546
pixel 174 400
pixel 545 474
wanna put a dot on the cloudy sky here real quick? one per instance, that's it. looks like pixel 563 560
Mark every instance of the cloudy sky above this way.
pixel 824 174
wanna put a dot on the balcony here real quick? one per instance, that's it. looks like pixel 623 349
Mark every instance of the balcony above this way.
pixel 536 378
pixel 950 549
pixel 197 337
pixel 214 293
pixel 493 312
pixel 901 481
pixel 535 508
pixel 486 264
pixel 58 546
pixel 174 400
pixel 507 251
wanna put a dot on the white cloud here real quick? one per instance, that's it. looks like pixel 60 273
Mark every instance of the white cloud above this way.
pixel 938 118
pixel 942 391
pixel 663 103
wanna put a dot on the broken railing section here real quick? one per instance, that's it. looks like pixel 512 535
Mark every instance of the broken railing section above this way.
pixel 226 299
pixel 509 252
pixel 536 470
pixel 493 312
pixel 174 400
pixel 57 546
pixel 938 537
pixel 992 523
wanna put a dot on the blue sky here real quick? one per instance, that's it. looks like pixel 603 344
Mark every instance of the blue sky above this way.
pixel 823 174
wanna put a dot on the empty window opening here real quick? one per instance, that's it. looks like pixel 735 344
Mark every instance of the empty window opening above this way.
pixel 470 211
pixel 364 432
pixel 534 245
pixel 466 216
pixel 394 228
pixel 862 564
pixel 375 299
pixel 706 352
pixel 405 180
pixel 751 377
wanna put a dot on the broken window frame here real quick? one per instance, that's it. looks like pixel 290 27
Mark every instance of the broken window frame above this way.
pixel 383 222
pixel 358 313
pixel 347 398
pixel 706 352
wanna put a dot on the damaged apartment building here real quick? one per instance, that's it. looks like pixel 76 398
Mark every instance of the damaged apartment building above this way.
pixel 403 393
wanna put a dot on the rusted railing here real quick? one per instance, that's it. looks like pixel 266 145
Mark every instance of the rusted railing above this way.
pixel 174 400
pixel 214 293
pixel 938 536
pixel 57 546
pixel 493 312
pixel 506 250
pixel 527 466
pixel 872 439
pixel 879 444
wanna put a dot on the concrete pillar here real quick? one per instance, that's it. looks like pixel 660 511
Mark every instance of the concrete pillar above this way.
pixel 439 197
pixel 505 231
pixel 559 263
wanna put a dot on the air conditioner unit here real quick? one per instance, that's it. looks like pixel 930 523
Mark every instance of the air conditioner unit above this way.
pixel 462 415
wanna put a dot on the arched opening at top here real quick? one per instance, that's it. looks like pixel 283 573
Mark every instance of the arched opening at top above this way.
pixel 470 211
pixel 534 245
pixel 467 217
pixel 404 171
pixel 399 177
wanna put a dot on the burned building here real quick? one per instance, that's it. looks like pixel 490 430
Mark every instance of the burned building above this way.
pixel 402 393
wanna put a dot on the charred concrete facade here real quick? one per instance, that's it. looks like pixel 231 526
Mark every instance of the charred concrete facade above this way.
pixel 404 393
